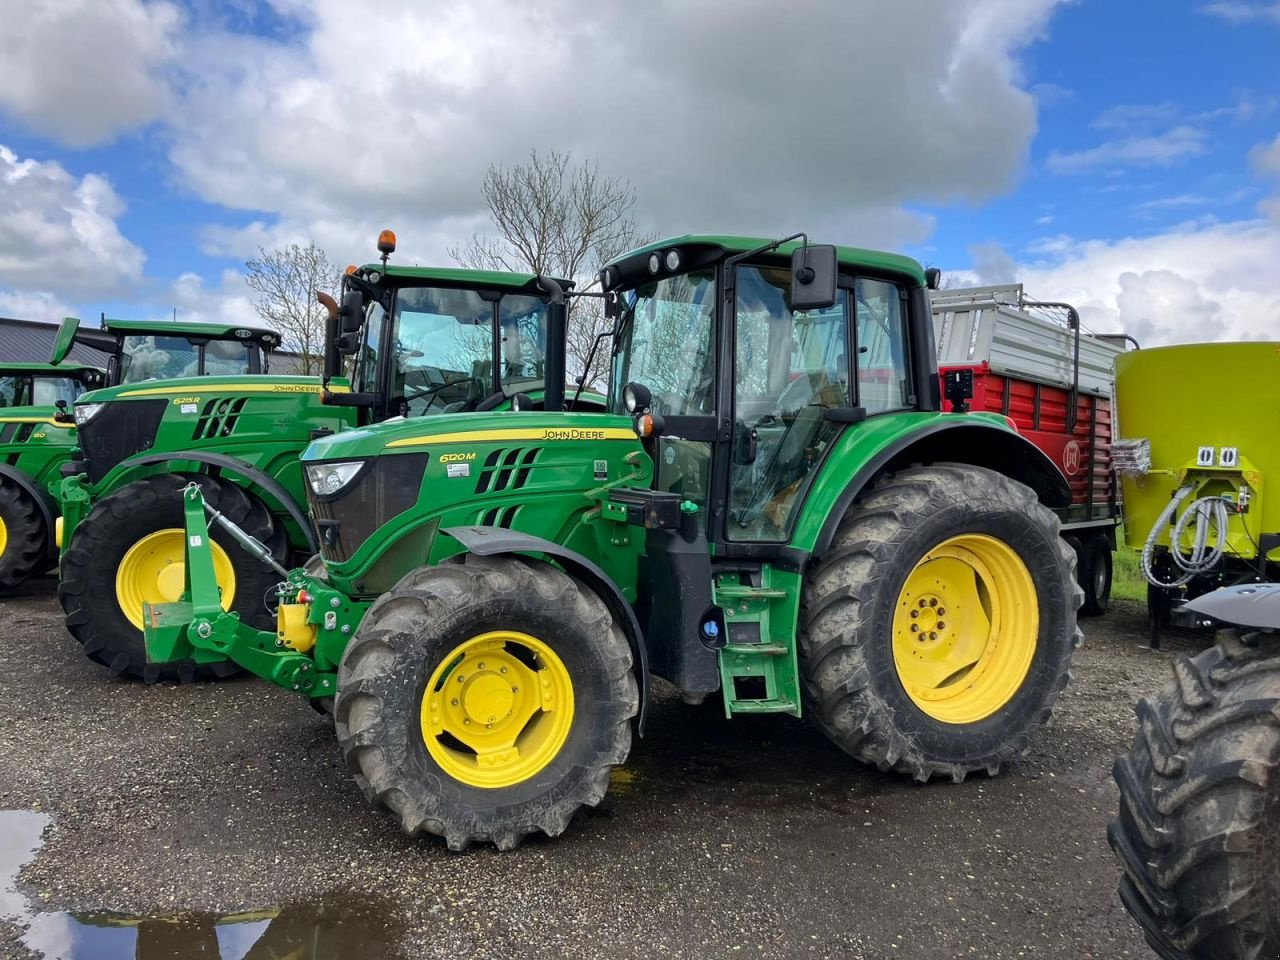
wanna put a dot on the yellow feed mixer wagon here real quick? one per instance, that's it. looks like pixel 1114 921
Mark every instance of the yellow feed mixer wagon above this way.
pixel 1199 429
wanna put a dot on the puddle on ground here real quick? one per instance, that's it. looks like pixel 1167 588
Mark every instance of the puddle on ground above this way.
pixel 337 927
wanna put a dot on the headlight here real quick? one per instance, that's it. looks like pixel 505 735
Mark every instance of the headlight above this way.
pixel 326 479
pixel 655 263
pixel 672 259
pixel 86 412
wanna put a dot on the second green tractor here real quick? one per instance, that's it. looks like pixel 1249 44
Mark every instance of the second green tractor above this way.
pixel 776 512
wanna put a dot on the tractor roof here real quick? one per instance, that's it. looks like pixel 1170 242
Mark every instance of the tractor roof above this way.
pixel 523 282
pixel 188 328
pixel 849 256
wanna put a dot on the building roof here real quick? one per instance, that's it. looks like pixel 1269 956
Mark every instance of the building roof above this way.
pixel 30 341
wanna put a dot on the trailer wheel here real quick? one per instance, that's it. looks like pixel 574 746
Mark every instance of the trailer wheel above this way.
pixel 483 700
pixel 24 542
pixel 938 629
pixel 1095 575
pixel 130 549
pixel 1199 823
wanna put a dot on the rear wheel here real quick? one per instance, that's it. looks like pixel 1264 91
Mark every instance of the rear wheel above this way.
pixel 484 700
pixel 130 549
pixel 1199 827
pixel 24 541
pixel 1095 575
pixel 938 629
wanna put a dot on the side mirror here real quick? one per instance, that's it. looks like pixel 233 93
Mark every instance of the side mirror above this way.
pixel 813 277
pixel 351 314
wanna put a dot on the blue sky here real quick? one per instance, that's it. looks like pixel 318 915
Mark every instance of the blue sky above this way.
pixel 1125 156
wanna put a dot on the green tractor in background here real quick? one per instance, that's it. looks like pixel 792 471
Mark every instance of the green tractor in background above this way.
pixel 413 342
pixel 37 433
pixel 775 512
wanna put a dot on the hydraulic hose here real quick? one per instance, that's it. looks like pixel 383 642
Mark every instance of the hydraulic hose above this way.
pixel 1206 549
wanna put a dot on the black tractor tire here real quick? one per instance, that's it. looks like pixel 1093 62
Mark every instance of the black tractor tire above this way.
pixel 406 635
pixel 1198 833
pixel 851 685
pixel 1095 575
pixel 26 548
pixel 116 522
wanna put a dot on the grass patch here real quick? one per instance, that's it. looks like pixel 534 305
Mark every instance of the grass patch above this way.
pixel 1127 581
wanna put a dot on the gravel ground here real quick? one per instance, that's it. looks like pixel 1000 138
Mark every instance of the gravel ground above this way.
pixel 750 838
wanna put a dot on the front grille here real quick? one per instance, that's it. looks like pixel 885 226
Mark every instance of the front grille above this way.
pixel 118 431
pixel 218 418
pixel 385 488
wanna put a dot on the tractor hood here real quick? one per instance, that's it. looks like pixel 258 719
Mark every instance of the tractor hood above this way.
pixel 424 434
pixel 206 386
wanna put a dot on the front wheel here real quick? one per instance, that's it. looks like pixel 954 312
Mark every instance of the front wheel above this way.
pixel 483 700
pixel 24 541
pixel 1199 826
pixel 937 631
pixel 131 549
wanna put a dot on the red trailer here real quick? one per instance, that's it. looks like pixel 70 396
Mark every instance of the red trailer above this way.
pixel 1032 363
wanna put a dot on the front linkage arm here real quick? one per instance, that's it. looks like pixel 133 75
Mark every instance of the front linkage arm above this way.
pixel 196 627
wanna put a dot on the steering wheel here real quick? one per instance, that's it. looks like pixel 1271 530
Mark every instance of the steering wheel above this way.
pixel 435 387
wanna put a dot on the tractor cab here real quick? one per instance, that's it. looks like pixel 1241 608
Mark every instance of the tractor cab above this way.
pixel 743 360
pixel 44 384
pixel 416 341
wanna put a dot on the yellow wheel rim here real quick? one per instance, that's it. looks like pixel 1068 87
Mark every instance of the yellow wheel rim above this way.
pixel 497 709
pixel 965 628
pixel 154 571
pixel 4 537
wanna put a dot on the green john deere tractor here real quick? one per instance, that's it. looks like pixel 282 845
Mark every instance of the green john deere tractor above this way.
pixel 412 341
pixel 37 433
pixel 775 512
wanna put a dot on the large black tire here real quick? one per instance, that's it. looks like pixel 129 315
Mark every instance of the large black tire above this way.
pixel 26 541
pixel 852 686
pixel 409 632
pixel 1095 575
pixel 1199 826
pixel 87 589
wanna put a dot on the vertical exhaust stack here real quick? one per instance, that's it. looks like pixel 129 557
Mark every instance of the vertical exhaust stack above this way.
pixel 332 361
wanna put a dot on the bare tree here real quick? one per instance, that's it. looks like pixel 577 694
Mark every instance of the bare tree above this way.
pixel 560 219
pixel 286 281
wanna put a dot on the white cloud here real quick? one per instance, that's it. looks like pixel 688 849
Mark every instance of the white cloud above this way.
pixel 83 71
pixel 726 115
pixel 1244 11
pixel 1163 150
pixel 1194 284
pixel 38 305
pixel 230 301
pixel 59 233
pixel 1125 116
pixel 1266 158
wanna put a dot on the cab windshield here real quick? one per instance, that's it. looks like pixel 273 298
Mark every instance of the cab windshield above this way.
pixel 158 357
pixel 27 390
pixel 442 345
pixel 665 343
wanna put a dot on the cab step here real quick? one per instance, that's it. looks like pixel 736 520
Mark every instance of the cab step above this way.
pixel 758 669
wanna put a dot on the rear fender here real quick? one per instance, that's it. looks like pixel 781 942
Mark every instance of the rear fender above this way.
pixel 967 442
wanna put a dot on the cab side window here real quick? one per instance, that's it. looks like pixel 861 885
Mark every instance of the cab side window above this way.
pixel 884 368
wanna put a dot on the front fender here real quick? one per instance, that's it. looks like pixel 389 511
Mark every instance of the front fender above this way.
pixel 496 541
pixel 227 464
